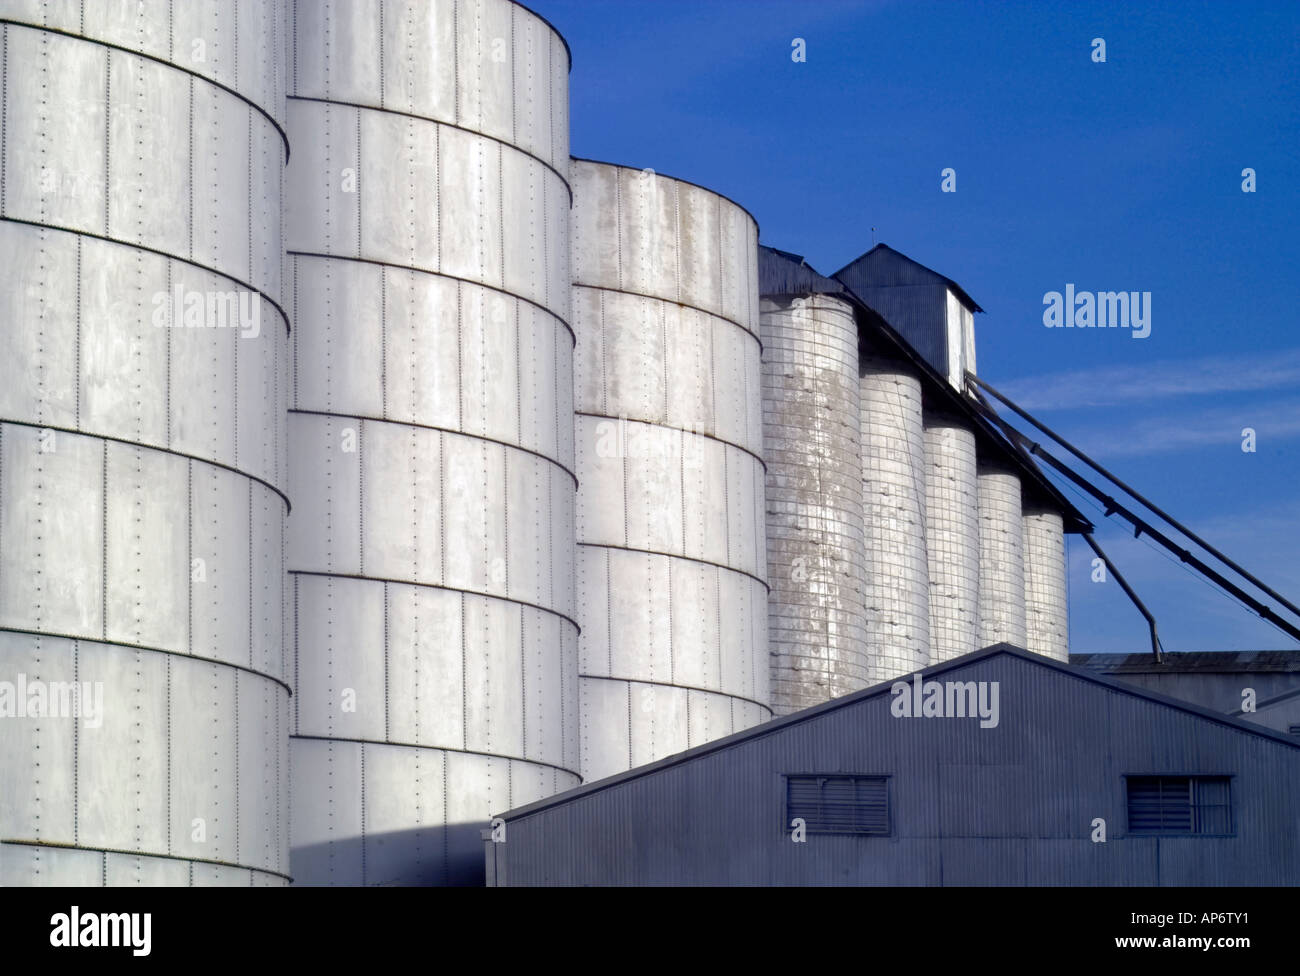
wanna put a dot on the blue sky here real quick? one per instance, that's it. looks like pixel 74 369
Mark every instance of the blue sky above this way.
pixel 1117 176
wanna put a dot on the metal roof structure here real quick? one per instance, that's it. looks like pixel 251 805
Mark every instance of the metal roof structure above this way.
pixel 892 268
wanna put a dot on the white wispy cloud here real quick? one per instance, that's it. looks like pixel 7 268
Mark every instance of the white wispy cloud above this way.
pixel 1133 434
pixel 1113 385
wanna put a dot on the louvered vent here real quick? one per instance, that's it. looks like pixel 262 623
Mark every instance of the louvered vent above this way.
pixel 839 804
pixel 1179 805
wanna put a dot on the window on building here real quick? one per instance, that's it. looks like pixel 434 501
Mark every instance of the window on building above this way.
pixel 837 804
pixel 1294 729
pixel 1180 805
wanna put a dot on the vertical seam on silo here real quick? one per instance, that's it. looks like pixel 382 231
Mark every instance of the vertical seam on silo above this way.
pixel 235 812
pixel 361 499
pixel 168 660
pixel 248 114
pixel 630 761
pixel 362 749
pixel 383 344
pixel 76 747
pixel 4 114
pixel 672 662
pixel 523 677
pixel 382 102
pixel 297 685
pixel 717 603
pixel 189 228
pixel 609 612
pixel 387 698
pixel 108 127
pixel 189 553
pixel 618 228
pixel 455 61
pixel 446 868
pixel 442 508
pixel 296 332
pixel 464 679
pixel 360 183
pixel 249 482
pixel 76 353
pixel 103 514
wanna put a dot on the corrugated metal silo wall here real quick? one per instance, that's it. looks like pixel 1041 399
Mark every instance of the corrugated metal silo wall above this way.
pixel 1011 804
pixel 1046 601
pixel 1002 564
pixel 952 537
pixel 431 545
pixel 897 579
pixel 815 553
pixel 671 563
pixel 142 477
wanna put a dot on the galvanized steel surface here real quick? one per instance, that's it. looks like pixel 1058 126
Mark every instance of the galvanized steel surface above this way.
pixel 952 537
pixel 815 547
pixel 1046 597
pixel 1002 563
pixel 897 579
pixel 432 462
pixel 142 473
pixel 671 558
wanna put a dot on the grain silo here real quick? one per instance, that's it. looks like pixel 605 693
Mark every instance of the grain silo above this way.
pixel 894 514
pixel 671 563
pixel 1002 565
pixel 952 536
pixel 811 443
pixel 431 545
pixel 1046 602
pixel 142 481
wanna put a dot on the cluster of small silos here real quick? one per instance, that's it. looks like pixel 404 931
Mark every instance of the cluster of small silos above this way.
pixel 930 552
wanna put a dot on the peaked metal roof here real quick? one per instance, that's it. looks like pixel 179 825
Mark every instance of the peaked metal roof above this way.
pixel 883 253
pixel 885 688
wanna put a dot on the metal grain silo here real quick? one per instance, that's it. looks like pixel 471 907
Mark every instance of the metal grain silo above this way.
pixel 1046 600
pixel 952 536
pixel 142 479
pixel 815 554
pixel 897 578
pixel 431 461
pixel 671 559
pixel 1002 564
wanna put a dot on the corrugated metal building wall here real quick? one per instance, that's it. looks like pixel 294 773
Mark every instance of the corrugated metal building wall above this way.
pixel 1012 804
pixel 431 545
pixel 142 475
pixel 671 561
